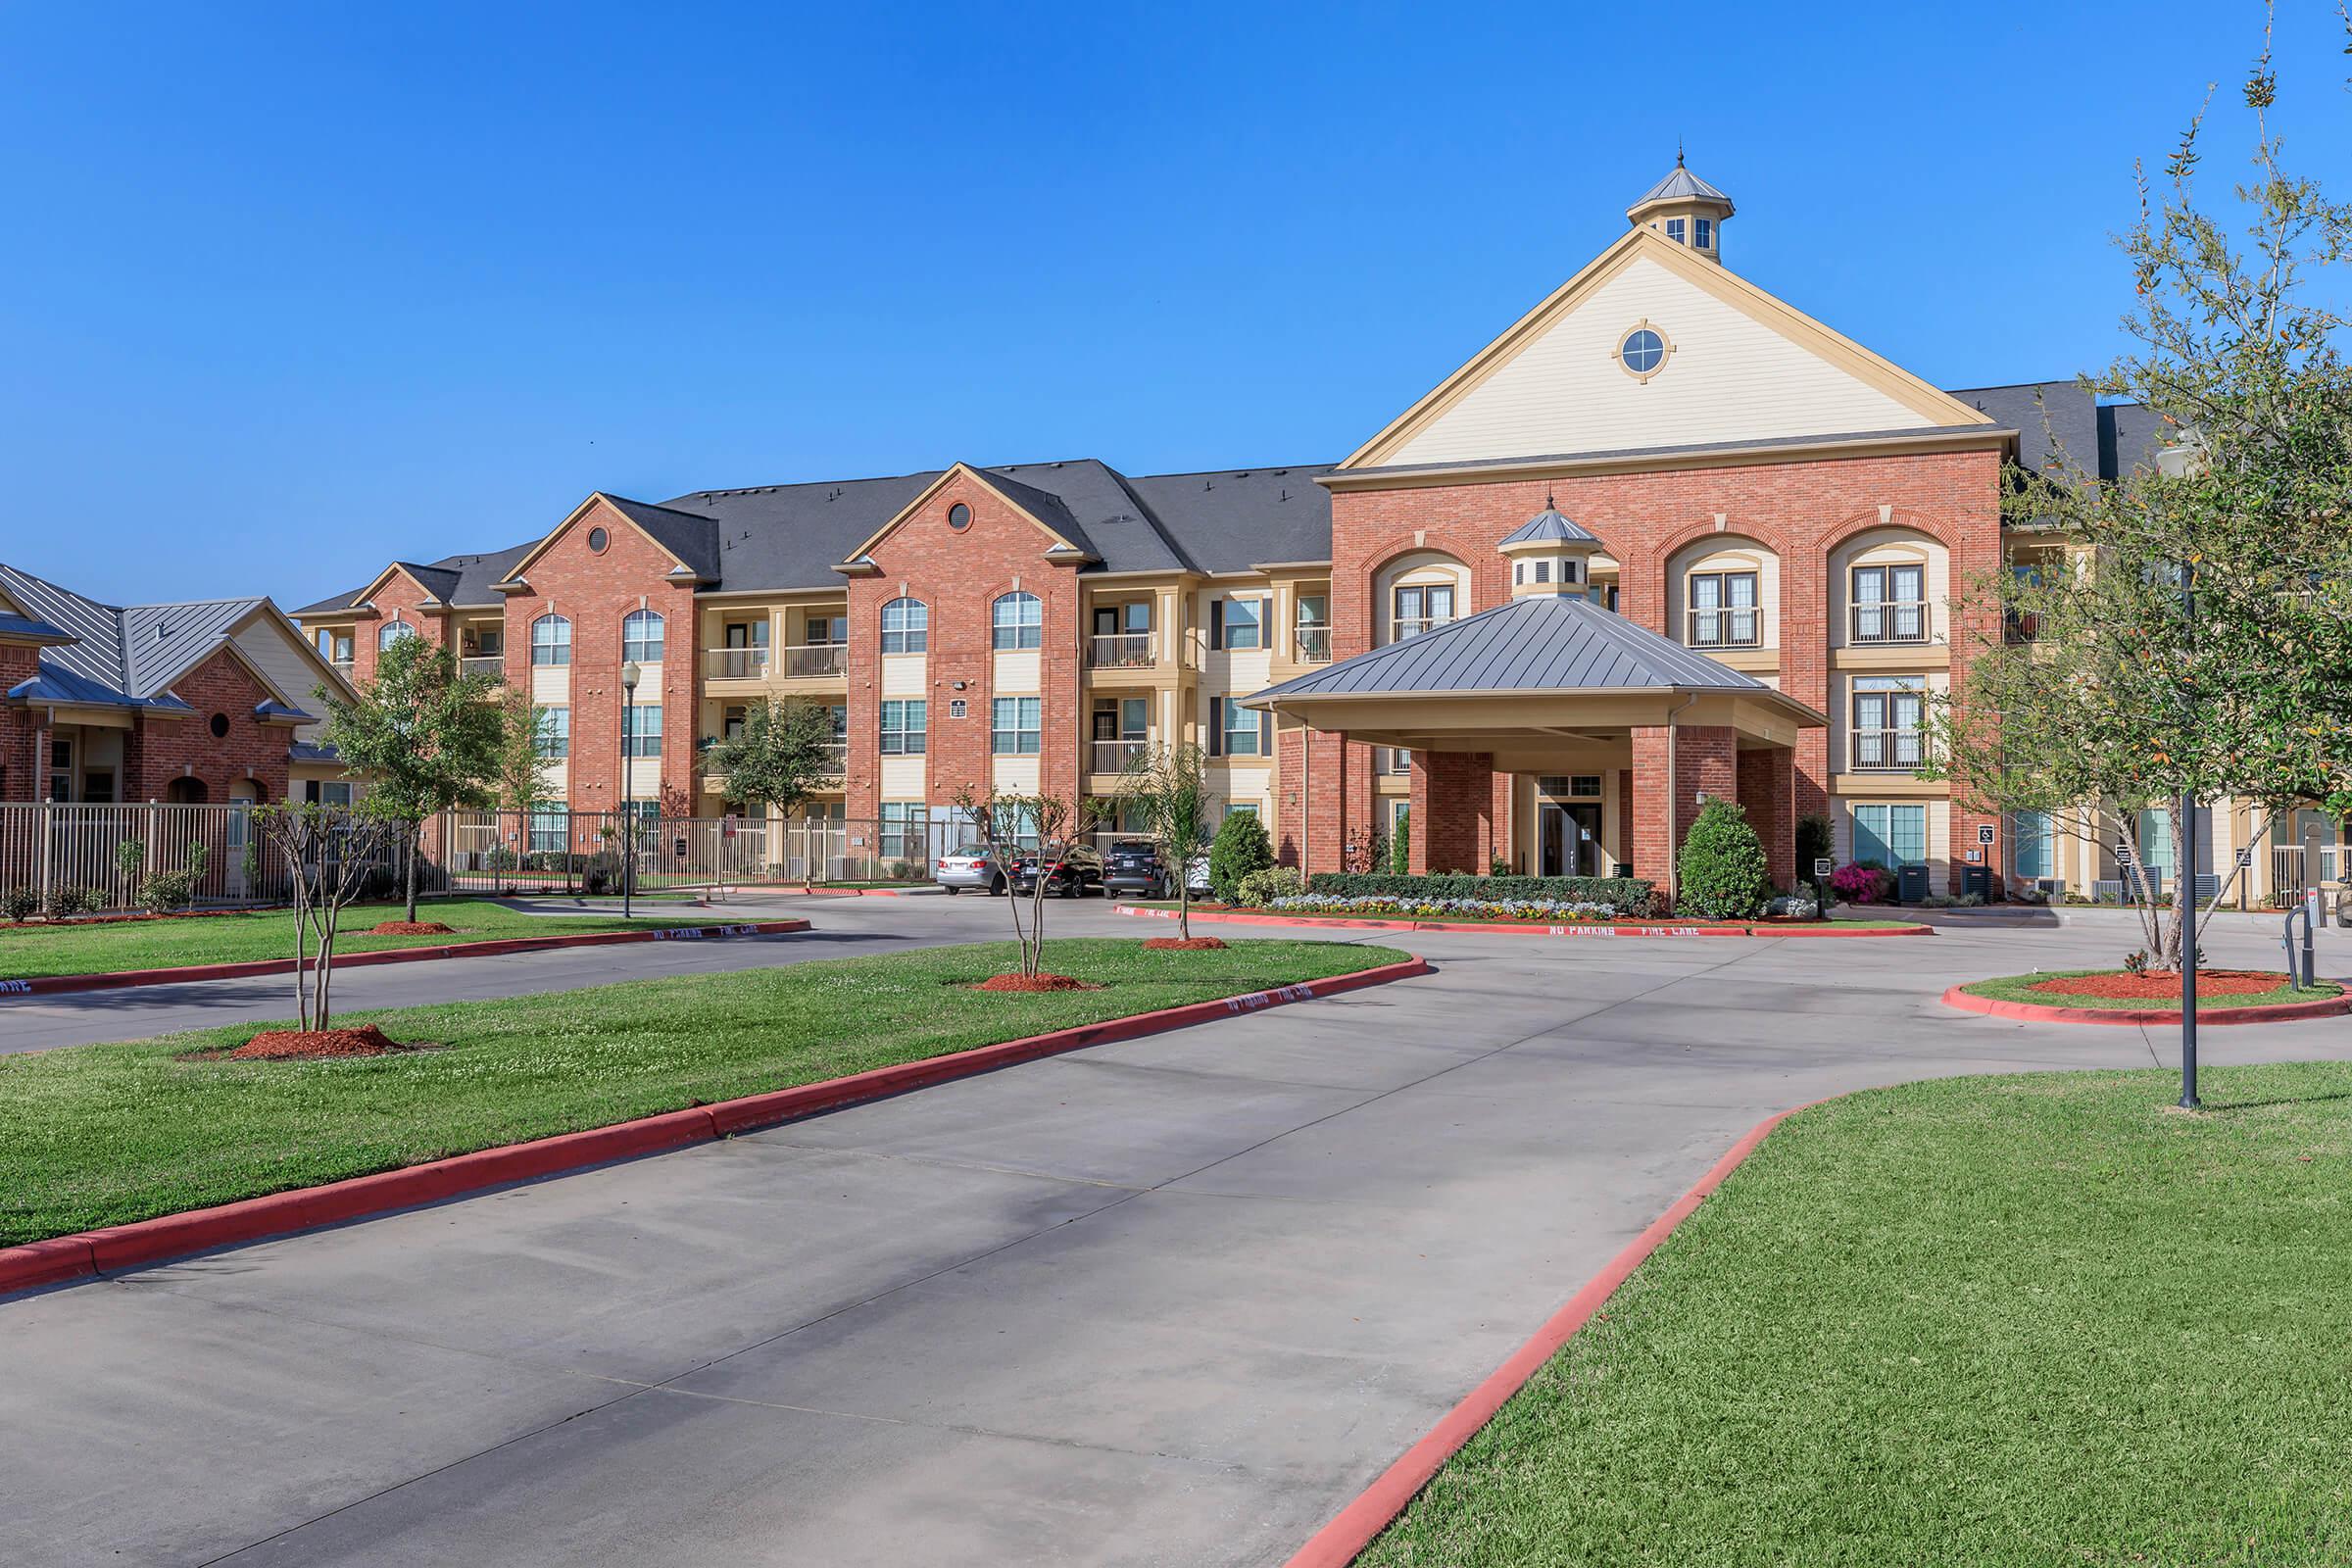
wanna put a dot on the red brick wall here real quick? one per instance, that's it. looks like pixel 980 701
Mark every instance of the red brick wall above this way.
pixel 959 575
pixel 20 729
pixel 595 592
pixel 1454 825
pixel 1802 511
pixel 163 749
pixel 1767 791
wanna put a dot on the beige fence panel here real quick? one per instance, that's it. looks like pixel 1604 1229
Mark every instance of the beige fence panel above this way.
pixel 55 849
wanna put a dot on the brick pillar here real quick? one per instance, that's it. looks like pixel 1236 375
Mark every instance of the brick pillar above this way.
pixel 1452 823
pixel 1704 760
pixel 1641 812
pixel 1768 791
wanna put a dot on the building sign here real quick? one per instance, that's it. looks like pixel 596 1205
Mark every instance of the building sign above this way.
pixel 681 850
pixel 1823 866
pixel 1984 833
pixel 2245 859
pixel 1976 856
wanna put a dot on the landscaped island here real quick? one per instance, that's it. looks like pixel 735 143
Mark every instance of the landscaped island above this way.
pixel 2104 994
pixel 2016 1321
pixel 100 1134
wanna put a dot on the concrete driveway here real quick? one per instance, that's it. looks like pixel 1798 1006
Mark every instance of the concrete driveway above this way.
pixel 1171 1302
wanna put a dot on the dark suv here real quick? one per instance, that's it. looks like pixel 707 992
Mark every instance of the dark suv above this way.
pixel 1078 869
pixel 1133 866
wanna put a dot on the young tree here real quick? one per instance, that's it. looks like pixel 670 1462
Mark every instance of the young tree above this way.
pixel 782 753
pixel 523 765
pixel 1168 790
pixel 424 738
pixel 1002 821
pixel 2191 643
pixel 330 853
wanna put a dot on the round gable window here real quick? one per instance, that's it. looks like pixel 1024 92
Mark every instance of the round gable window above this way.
pixel 598 539
pixel 1643 350
pixel 960 516
pixel 220 726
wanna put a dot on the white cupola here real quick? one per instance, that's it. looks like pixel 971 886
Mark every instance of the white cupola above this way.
pixel 1550 556
pixel 1686 209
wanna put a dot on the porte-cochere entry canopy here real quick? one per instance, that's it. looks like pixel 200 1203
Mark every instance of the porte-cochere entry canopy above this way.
pixel 1551 685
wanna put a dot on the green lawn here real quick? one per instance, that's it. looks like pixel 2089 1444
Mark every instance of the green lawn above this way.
pixel 2035 1320
pixel 2020 988
pixel 27 951
pixel 97 1135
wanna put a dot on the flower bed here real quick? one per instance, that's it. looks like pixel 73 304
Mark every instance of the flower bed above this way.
pixel 1550 912
pixel 2118 995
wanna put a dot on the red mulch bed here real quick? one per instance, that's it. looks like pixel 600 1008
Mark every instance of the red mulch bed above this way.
pixel 411 928
pixel 309 1044
pixel 1042 982
pixel 2164 985
pixel 1181 943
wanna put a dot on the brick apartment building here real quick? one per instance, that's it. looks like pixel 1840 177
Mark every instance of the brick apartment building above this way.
pixel 186 704
pixel 1775 520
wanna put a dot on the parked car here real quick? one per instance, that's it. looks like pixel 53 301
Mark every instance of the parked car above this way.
pixel 1196 877
pixel 1079 869
pixel 1133 866
pixel 968 866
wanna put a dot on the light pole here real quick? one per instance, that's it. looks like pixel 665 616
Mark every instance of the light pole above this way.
pixel 629 676
pixel 2177 461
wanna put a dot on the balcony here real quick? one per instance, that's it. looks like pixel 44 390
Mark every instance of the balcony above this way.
pixel 1891 621
pixel 1129 650
pixel 815 660
pixel 734 663
pixel 1113 756
pixel 1315 645
pixel 1724 628
pixel 1884 750
pixel 493 665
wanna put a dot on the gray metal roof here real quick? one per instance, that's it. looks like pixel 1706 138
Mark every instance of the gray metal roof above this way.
pixel 121 657
pixel 14 625
pixel 1680 184
pixel 1542 643
pixel 1548 524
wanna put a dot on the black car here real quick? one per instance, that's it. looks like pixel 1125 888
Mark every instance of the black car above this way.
pixel 1134 867
pixel 1077 870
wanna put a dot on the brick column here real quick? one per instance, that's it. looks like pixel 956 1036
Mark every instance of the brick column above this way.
pixel 1768 791
pixel 1704 760
pixel 1452 823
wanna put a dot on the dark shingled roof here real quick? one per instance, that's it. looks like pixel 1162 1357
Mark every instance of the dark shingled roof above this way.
pixel 475 575
pixel 1230 520
pixel 1542 643
pixel 692 537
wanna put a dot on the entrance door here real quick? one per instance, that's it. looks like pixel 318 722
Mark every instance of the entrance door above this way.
pixel 1568 839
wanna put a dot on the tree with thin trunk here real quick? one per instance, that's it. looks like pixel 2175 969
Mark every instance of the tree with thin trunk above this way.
pixel 331 855
pixel 1166 789
pixel 422 737
pixel 523 768
pixel 2184 631
pixel 784 751
pixel 1004 820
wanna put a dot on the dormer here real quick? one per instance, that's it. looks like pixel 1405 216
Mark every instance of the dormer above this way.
pixel 1686 209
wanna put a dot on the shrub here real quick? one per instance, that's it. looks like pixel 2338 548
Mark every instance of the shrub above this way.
pixel 1400 845
pixel 1557 911
pixel 171 890
pixel 19 903
pixel 1240 848
pixel 76 901
pixel 1722 870
pixel 1259 889
pixel 1816 840
pixel 1862 882
pixel 500 859
pixel 1623 895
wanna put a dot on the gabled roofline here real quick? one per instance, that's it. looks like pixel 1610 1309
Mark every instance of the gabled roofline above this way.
pixel 1882 374
pixel 858 563
pixel 1718 455
pixel 513 583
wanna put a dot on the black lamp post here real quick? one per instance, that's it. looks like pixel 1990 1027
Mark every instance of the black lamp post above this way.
pixel 629 676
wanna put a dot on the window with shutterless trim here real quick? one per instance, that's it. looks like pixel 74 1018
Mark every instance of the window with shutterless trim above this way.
pixel 553 739
pixel 906 626
pixel 392 631
pixel 904 726
pixel 1015 723
pixel 551 640
pixel 1891 835
pixel 641 637
pixel 1017 621
pixel 1720 609
pixel 641 730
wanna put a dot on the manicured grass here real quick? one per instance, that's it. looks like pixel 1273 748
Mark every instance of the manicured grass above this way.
pixel 27 951
pixel 2034 1320
pixel 97 1135
pixel 2020 988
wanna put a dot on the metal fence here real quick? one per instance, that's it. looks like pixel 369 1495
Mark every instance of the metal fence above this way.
pixel 75 856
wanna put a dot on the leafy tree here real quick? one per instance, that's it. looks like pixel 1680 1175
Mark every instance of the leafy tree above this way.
pixel 1002 819
pixel 425 738
pixel 1400 845
pixel 2188 637
pixel 1721 873
pixel 522 764
pixel 1240 848
pixel 782 753
pixel 329 855
pixel 1168 790
pixel 1816 840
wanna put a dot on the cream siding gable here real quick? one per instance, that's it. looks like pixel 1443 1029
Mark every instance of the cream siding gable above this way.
pixel 268 646
pixel 1731 378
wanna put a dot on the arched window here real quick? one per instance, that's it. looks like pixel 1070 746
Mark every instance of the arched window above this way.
pixel 551 640
pixel 906 626
pixel 641 637
pixel 1019 620
pixel 392 631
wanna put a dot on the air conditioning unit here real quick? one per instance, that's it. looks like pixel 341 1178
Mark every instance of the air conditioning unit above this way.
pixel 2054 886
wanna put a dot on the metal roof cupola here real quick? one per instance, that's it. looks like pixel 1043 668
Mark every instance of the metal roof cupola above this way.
pixel 1686 209
pixel 1551 555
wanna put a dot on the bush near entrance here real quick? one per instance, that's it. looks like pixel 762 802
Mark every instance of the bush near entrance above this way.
pixel 1623 895
pixel 1241 849
pixel 1722 873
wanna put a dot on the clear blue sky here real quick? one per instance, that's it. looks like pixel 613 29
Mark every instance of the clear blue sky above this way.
pixel 292 289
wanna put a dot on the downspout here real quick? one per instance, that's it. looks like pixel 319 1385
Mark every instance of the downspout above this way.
pixel 1674 805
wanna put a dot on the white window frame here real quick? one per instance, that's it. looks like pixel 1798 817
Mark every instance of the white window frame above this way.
pixel 912 633
pixel 553 648
pixel 636 647
pixel 1015 622
pixel 910 735
pixel 1026 731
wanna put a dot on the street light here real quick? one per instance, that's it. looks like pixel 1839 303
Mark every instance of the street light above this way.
pixel 630 674
pixel 2180 459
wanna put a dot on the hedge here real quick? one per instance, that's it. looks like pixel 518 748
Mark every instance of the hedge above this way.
pixel 1626 895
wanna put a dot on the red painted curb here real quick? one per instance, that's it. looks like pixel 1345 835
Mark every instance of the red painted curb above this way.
pixel 116 980
pixel 150 1241
pixel 1539 928
pixel 2036 1012
pixel 1355 1527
